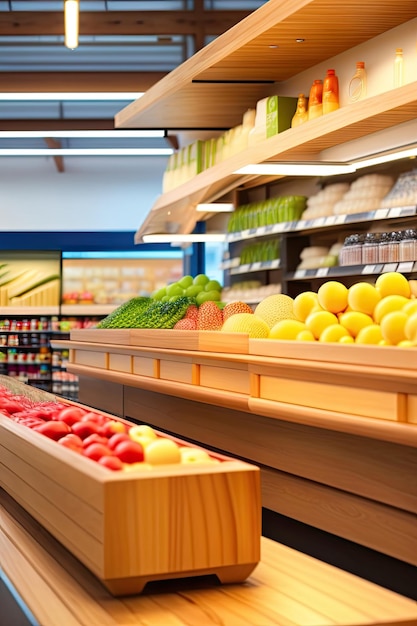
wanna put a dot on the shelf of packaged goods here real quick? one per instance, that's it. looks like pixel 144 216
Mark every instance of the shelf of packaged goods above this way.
pixel 306 142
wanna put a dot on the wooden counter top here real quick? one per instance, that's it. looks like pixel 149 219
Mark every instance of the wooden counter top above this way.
pixel 286 589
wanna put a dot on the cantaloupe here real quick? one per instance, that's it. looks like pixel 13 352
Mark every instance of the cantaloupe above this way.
pixel 247 323
pixel 231 308
pixel 275 308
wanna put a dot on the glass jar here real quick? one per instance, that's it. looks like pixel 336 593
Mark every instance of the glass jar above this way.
pixel 370 252
pixel 383 248
pixel 393 247
pixel 407 248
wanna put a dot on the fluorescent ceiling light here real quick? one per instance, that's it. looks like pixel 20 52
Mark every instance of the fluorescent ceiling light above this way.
pixel 85 152
pixel 76 95
pixel 387 158
pixel 81 134
pixel 71 19
pixel 296 169
pixel 192 238
pixel 216 207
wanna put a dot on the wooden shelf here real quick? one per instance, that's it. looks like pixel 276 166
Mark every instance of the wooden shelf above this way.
pixel 213 88
pixel 286 587
pixel 304 142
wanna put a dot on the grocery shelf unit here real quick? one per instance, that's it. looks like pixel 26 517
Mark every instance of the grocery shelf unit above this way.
pixel 313 471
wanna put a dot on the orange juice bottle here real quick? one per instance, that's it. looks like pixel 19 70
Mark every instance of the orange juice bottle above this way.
pixel 315 101
pixel 330 92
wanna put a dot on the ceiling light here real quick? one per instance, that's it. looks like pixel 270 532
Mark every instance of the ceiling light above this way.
pixel 296 169
pixel 81 134
pixel 192 238
pixel 66 96
pixel 85 152
pixel 71 18
pixel 216 207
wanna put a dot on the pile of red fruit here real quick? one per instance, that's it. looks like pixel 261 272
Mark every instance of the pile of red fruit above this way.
pixel 111 442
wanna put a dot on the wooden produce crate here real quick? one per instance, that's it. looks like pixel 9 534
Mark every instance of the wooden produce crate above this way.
pixel 132 527
pixel 206 340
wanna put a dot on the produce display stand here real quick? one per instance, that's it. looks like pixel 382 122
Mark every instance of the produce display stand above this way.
pixel 287 588
pixel 132 527
pixel 332 427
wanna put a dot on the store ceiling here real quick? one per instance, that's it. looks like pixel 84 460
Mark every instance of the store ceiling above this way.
pixel 124 46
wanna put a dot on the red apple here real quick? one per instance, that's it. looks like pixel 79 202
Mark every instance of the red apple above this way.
pixel 112 462
pixel 95 438
pixel 113 426
pixel 72 441
pixel 96 450
pixel 98 418
pixel 53 429
pixel 129 451
pixel 84 429
pixel 117 438
pixel 71 414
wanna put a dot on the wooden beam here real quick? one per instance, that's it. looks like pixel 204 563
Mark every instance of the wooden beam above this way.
pixel 78 81
pixel 121 22
pixel 59 161
pixel 57 124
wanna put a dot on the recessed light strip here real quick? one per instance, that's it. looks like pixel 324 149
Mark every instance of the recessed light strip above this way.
pixel 21 152
pixel 215 207
pixel 76 95
pixel 296 169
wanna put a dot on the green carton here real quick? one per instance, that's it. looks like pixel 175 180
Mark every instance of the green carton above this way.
pixel 279 113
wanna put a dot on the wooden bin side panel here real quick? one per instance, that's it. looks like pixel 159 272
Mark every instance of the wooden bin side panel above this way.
pixel 171 524
pixel 56 494
pixel 328 396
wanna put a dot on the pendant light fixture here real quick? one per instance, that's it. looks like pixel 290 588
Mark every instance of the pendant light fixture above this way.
pixel 71 18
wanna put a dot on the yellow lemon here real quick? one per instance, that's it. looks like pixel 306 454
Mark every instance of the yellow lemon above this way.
pixel 304 303
pixel 413 287
pixel 354 321
pixel 319 320
pixel 406 344
pixel 410 307
pixel 333 333
pixel 347 339
pixel 410 328
pixel 286 329
pixel 393 327
pixel 363 297
pixel 305 335
pixel 370 335
pixel 275 308
pixel 393 284
pixel 332 296
pixel 388 304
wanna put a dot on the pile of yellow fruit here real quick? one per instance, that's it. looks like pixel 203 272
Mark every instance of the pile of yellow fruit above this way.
pixel 383 313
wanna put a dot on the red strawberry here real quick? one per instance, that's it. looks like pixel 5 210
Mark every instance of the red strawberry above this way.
pixel 192 312
pixel 235 307
pixel 186 324
pixel 210 317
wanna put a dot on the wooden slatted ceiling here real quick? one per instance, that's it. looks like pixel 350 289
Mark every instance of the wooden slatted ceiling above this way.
pixel 243 54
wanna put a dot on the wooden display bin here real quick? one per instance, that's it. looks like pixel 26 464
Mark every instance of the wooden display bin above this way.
pixel 132 527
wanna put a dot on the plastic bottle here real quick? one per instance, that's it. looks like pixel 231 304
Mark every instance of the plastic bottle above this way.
pixel 315 101
pixel 357 85
pixel 301 114
pixel 398 68
pixel 330 92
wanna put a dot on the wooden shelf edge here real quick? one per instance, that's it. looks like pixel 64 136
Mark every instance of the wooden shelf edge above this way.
pixel 392 432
